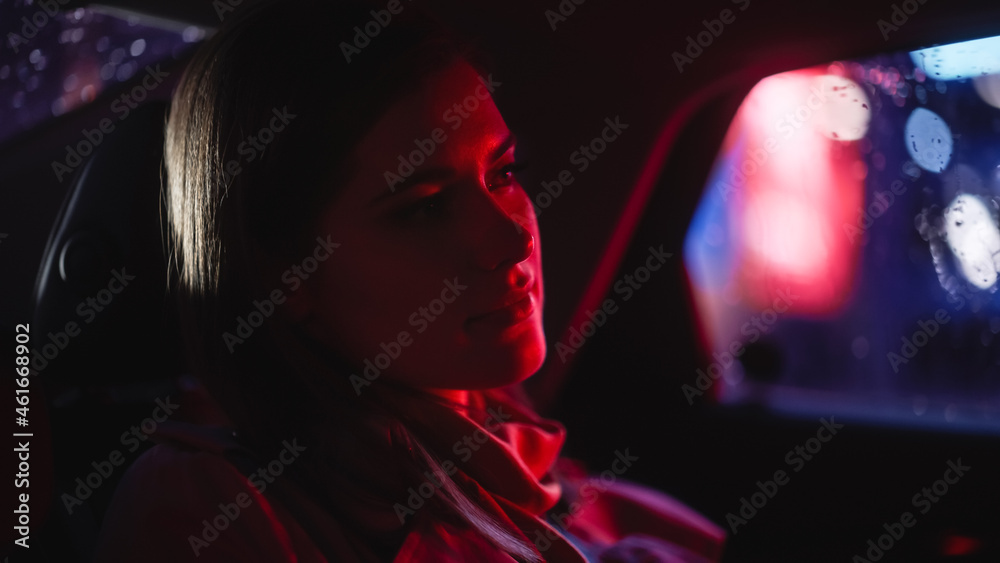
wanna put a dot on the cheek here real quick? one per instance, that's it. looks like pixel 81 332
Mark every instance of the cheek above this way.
pixel 369 297
pixel 354 300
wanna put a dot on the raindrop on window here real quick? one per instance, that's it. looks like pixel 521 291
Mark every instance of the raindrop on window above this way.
pixel 972 234
pixel 126 71
pixel 59 106
pixel 192 34
pixel 845 111
pixel 928 140
pixel 951 412
pixel 88 93
pixel 988 88
pixel 70 83
pixel 138 46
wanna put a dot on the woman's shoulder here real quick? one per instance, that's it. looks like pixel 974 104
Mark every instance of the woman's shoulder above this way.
pixel 187 466
pixel 172 475
pixel 184 500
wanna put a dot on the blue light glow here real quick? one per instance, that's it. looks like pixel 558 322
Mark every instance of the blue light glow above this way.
pixel 708 252
pixel 956 61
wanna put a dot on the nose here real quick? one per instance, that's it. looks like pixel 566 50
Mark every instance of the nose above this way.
pixel 506 241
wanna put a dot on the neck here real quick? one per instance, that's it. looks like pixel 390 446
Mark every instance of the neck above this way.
pixel 457 396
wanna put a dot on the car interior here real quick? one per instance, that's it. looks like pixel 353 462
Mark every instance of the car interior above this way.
pixel 770 234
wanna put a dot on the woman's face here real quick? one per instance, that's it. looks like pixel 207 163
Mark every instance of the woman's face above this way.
pixel 437 282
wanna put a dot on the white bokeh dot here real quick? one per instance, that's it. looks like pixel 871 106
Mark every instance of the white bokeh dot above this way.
pixel 928 140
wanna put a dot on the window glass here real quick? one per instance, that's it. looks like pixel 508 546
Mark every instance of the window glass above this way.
pixel 52 64
pixel 844 255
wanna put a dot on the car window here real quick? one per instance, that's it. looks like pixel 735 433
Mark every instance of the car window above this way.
pixel 845 250
pixel 53 63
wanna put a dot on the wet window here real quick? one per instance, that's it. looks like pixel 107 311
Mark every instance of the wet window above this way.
pixel 54 63
pixel 844 255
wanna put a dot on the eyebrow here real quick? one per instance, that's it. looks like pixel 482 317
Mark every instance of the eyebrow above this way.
pixel 428 175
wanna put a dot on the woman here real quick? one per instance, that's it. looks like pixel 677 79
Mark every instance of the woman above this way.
pixel 360 276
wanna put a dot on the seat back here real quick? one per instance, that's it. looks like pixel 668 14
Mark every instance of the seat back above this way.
pixel 104 334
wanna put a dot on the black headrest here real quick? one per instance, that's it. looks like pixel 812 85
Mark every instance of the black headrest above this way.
pixel 102 315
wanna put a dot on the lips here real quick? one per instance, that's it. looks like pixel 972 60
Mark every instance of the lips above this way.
pixel 516 306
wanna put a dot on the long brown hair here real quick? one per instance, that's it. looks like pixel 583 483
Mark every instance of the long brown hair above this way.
pixel 234 227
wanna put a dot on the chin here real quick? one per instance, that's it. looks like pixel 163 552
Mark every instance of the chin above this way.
pixel 531 358
pixel 513 364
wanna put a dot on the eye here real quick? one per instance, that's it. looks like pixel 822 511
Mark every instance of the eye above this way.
pixel 426 207
pixel 506 176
